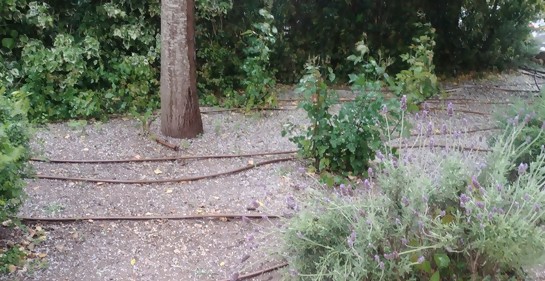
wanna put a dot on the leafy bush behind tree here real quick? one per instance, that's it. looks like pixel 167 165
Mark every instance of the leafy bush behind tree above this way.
pixel 87 58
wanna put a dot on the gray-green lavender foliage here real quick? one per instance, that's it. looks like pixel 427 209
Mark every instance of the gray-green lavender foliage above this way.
pixel 438 214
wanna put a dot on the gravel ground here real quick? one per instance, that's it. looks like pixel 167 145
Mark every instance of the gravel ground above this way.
pixel 192 249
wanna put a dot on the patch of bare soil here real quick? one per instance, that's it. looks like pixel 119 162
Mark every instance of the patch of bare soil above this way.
pixel 199 249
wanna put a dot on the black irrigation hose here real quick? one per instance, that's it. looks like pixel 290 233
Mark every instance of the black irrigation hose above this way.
pixel 184 179
pixel 147 218
pixel 163 159
pixel 258 273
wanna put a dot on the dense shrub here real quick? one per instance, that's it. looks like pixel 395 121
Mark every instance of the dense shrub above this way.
pixel 258 82
pixel 346 142
pixel 343 143
pixel 14 152
pixel 418 82
pixel 532 115
pixel 82 59
pixel 432 215
pixel 89 58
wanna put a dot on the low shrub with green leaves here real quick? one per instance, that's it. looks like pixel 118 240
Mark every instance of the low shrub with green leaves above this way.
pixel 344 143
pixel 14 151
pixel 427 214
pixel 259 81
pixel 419 81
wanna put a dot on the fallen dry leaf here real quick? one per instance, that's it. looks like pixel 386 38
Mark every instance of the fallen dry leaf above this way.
pixel 12 268
pixel 169 191
pixel 251 162
pixel 157 171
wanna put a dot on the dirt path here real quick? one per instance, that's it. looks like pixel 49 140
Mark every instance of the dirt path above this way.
pixel 191 249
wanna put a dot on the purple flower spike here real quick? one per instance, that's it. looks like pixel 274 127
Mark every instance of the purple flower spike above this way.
pixel 444 129
pixel 381 265
pixel 429 129
pixel 391 256
pixel 516 120
pixel 384 109
pixel 367 184
pixel 450 109
pixel 457 134
pixel 370 172
pixel 425 114
pixel 480 204
pixel 442 213
pixel 475 183
pixel 522 169
pixel 464 199
pixel 527 119
pixel 380 156
pixel 420 260
pixel 405 201
pixel 377 258
pixel 404 241
pixel 404 103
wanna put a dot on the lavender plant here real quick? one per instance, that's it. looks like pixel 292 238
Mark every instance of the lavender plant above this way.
pixel 533 117
pixel 427 213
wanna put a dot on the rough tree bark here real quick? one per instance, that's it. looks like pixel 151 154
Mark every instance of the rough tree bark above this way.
pixel 180 114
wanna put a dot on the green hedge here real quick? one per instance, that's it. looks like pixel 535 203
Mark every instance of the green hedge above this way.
pixel 86 58
pixel 14 152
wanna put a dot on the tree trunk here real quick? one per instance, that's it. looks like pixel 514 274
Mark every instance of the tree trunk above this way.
pixel 180 114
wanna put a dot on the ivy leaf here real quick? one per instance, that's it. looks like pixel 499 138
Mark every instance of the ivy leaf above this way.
pixel 8 43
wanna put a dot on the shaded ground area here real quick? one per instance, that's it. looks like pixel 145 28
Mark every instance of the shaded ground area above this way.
pixel 192 249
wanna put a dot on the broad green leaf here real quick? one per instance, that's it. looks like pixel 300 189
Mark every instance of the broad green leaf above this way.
pixel 425 266
pixel 435 277
pixel 8 43
pixel 441 260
